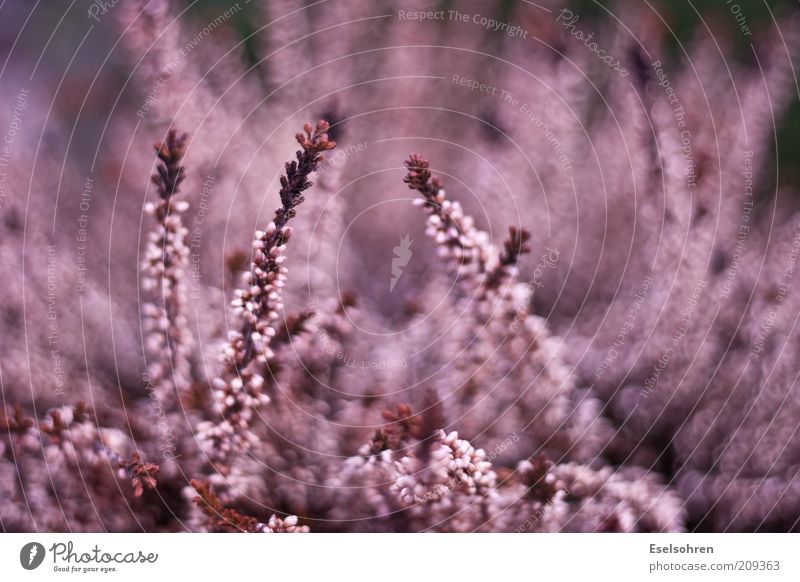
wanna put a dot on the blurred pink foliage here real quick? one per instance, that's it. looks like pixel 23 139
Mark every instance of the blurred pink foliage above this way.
pixel 624 359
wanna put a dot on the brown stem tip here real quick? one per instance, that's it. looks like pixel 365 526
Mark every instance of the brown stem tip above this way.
pixel 419 176
pixel 170 173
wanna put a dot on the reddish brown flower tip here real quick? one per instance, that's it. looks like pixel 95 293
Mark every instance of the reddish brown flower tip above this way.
pixel 315 138
pixel 170 173
pixel 419 176
pixel 515 246
pixel 221 518
pixel 142 474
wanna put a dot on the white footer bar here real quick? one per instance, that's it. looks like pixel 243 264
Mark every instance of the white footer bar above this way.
pixel 399 557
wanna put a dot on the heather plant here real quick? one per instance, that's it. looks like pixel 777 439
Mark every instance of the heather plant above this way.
pixel 574 312
pixel 422 477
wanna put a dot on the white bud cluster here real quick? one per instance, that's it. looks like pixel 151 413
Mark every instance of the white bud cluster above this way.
pixel 258 303
pixel 167 335
pixel 470 255
pixel 454 232
pixel 609 500
pixel 455 465
pixel 75 445
pixel 236 400
pixel 285 525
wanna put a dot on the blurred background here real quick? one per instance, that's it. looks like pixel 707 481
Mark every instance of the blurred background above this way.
pixel 623 176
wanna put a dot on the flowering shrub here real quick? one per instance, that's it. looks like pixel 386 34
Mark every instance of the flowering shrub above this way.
pixel 620 357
